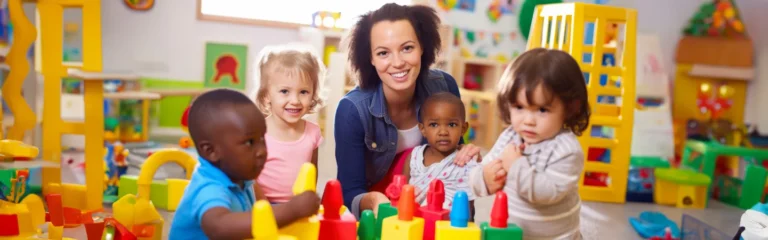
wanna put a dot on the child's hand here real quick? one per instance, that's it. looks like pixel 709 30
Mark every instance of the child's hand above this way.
pixel 510 154
pixel 305 204
pixel 494 176
pixel 467 152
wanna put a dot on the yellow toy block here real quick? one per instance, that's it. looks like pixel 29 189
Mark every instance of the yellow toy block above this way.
pixel 444 231
pixel 25 221
pixel 395 229
pixel 55 232
pixel 123 210
pixel 36 209
pixel 13 148
pixel 73 195
pixel 263 223
pixel 682 188
pixel 175 191
pixel 307 228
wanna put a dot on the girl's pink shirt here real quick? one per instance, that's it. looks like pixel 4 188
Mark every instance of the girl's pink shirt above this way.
pixel 284 159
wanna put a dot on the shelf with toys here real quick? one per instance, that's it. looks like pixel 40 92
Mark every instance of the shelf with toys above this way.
pixel 477 79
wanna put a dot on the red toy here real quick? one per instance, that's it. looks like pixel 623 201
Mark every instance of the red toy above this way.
pixel 434 211
pixel 333 226
pixel 406 207
pixel 10 225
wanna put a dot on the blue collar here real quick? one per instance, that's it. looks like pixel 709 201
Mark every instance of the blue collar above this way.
pixel 378 105
pixel 208 170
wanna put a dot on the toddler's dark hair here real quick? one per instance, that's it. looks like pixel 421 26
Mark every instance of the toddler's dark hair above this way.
pixel 209 106
pixel 558 73
pixel 444 97
pixel 425 23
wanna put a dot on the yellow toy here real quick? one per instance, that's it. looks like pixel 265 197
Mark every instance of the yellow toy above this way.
pixel 546 33
pixel 459 227
pixel 13 150
pixel 264 225
pixel 403 226
pixel 681 188
pixel 308 228
pixel 24 35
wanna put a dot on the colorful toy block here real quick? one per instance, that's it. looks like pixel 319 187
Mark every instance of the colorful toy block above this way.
pixel 73 195
pixel 158 193
pixel 10 225
pixel 404 226
pixel 175 191
pixel 307 228
pixel 499 229
pixel 55 209
pixel 682 188
pixel 434 211
pixel 389 209
pixel 332 225
pixel 459 227
pixel 128 185
pixel 367 228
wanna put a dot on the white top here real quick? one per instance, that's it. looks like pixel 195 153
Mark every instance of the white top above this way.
pixel 542 185
pixel 407 139
pixel 454 177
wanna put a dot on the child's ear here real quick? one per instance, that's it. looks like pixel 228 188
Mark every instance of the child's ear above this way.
pixel 464 128
pixel 207 151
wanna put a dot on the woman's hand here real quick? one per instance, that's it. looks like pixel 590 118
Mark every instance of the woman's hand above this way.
pixel 467 152
pixel 372 200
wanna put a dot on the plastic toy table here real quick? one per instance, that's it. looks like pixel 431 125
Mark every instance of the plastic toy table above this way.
pixel 682 188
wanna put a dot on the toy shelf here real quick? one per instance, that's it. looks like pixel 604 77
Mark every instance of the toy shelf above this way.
pixel 132 95
pixel 477 79
pixel 98 76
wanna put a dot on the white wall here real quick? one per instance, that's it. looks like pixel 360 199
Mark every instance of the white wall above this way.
pixel 169 42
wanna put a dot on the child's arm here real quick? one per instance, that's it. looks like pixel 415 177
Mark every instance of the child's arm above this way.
pixel 407 167
pixel 258 192
pixel 221 223
pixel 548 180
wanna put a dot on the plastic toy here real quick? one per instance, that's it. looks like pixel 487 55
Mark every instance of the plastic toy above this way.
pixel 405 226
pixel 308 228
pixel 433 211
pixel 498 228
pixel 459 227
pixel 318 19
pixel 654 224
pixel 185 142
pixel 716 18
pixel 366 230
pixel 266 227
pixel 641 179
pixel 332 224
pixel 472 81
pixel 619 116
pixel 24 36
pixel 682 188
pixel 389 209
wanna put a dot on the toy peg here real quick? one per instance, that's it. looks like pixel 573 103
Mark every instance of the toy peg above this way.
pixel 263 221
pixel 459 226
pixel 405 226
pixel 332 225
pixel 498 227
pixel 367 228
pixel 394 189
pixel 434 211
pixel 332 200
pixel 406 207
pixel 307 179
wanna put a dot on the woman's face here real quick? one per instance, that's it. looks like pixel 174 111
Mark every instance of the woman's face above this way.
pixel 396 54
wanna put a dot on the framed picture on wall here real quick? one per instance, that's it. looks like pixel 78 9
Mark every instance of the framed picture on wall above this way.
pixel 225 65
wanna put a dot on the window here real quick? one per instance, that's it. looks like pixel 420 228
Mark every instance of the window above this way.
pixel 286 13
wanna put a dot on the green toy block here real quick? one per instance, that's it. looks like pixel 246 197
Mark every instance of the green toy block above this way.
pixel 128 185
pixel 158 194
pixel 5 178
pixel 511 232
pixel 385 210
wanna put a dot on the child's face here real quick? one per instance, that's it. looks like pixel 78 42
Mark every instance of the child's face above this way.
pixel 443 125
pixel 290 97
pixel 239 147
pixel 539 120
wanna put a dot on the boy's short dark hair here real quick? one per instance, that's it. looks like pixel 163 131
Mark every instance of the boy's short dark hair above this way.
pixel 443 97
pixel 425 23
pixel 207 108
pixel 558 73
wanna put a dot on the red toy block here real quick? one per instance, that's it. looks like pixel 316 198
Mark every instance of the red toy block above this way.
pixel 434 211
pixel 499 211
pixel 93 229
pixel 9 225
pixel 121 232
pixel 332 225
pixel 394 190
pixel 55 209
pixel 72 217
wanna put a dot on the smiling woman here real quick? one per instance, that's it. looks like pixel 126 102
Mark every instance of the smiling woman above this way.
pixel 286 13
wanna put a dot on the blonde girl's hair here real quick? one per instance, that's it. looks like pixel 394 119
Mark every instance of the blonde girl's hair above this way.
pixel 291 59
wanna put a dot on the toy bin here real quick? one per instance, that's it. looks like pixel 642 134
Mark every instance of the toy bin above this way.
pixel 682 188
pixel 641 178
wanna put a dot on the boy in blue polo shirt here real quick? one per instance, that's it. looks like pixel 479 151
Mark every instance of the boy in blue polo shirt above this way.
pixel 228 132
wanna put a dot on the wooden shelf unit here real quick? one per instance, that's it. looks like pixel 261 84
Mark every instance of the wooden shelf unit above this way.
pixel 486 124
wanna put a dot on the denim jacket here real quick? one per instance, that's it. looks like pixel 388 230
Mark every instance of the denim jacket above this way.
pixel 366 138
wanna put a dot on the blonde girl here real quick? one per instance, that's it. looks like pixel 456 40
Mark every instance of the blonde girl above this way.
pixel 287 86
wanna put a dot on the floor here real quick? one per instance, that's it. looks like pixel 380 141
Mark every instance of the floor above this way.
pixel 599 220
